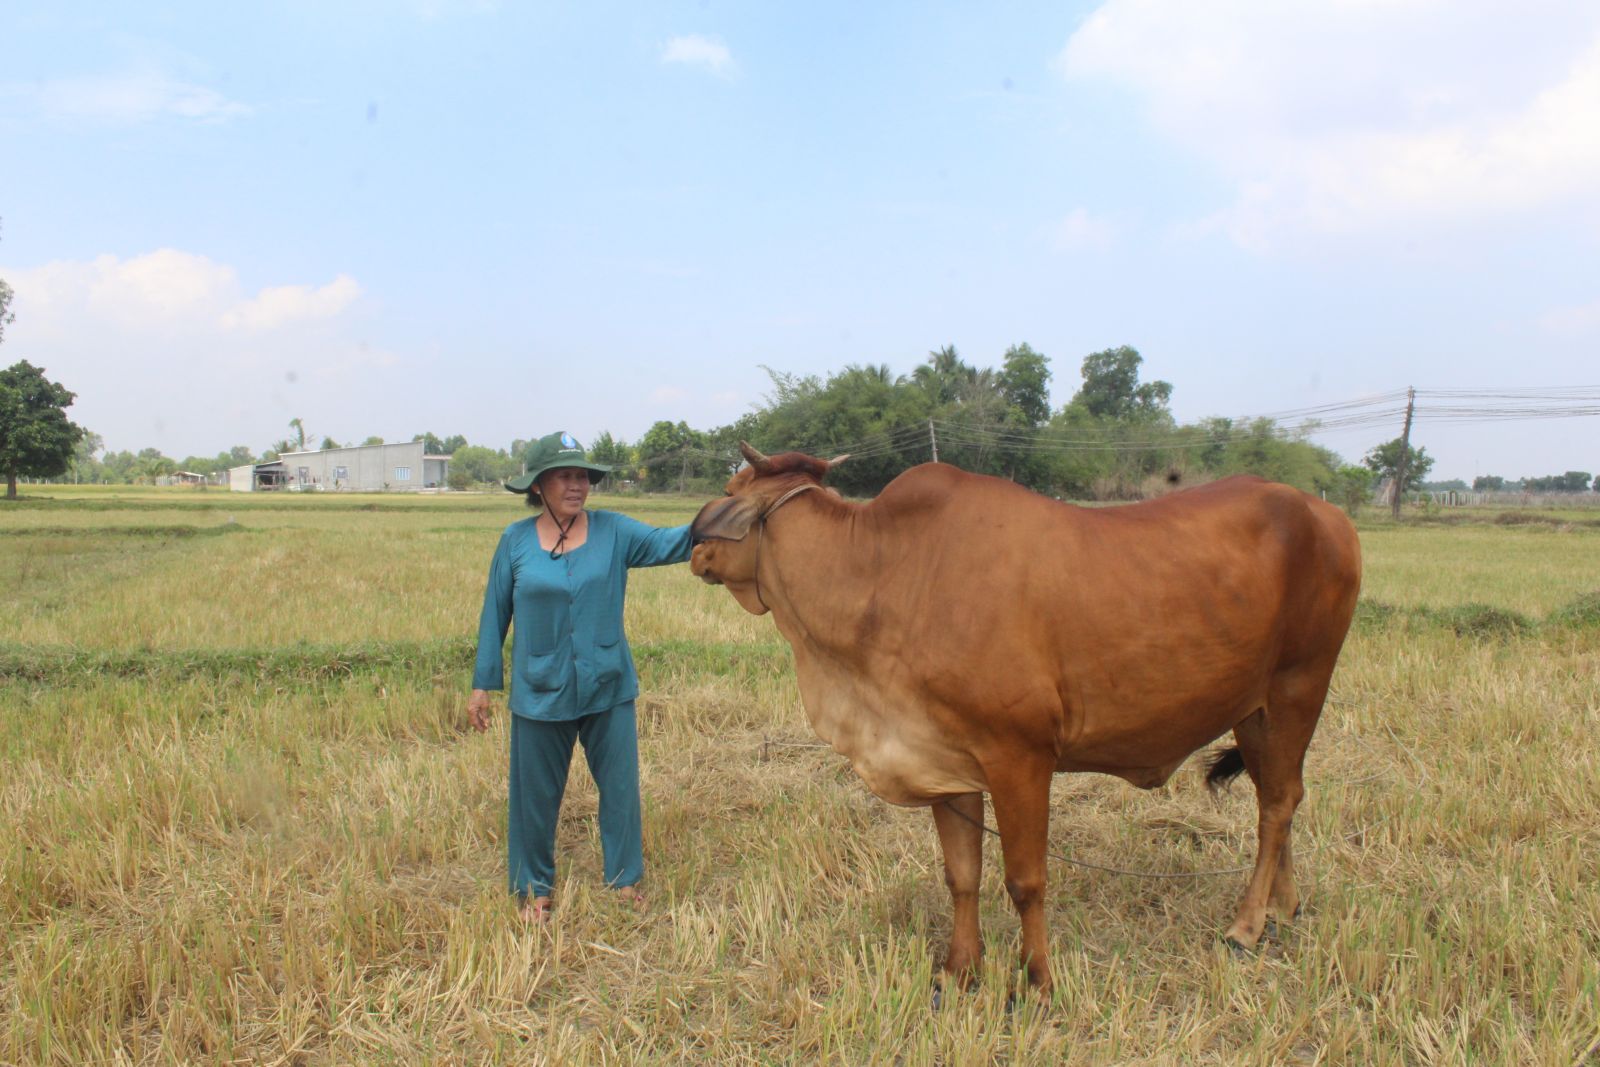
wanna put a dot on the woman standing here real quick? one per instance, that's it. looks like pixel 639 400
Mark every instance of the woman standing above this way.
pixel 563 575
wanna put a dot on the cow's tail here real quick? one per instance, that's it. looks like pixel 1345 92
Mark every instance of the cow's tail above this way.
pixel 1226 765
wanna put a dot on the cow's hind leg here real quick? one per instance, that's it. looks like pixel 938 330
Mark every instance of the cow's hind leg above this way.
pixel 1022 810
pixel 959 821
pixel 1273 745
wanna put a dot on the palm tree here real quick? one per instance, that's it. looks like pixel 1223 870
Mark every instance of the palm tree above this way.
pixel 944 376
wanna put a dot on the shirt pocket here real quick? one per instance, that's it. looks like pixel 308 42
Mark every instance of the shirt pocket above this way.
pixel 545 672
pixel 608 656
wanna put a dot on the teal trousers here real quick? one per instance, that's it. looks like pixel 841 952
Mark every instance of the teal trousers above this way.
pixel 541 752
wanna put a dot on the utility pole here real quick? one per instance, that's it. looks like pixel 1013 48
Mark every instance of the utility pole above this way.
pixel 1405 452
pixel 933 440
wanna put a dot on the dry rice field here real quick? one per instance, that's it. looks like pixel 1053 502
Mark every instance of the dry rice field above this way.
pixel 244 823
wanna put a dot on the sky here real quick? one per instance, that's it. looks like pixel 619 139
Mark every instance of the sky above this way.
pixel 503 219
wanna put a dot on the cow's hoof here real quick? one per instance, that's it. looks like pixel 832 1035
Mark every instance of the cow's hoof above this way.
pixel 937 1002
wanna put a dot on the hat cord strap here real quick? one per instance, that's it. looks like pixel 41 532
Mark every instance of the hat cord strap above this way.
pixel 559 548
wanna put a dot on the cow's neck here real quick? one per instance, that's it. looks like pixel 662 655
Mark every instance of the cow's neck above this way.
pixel 815 571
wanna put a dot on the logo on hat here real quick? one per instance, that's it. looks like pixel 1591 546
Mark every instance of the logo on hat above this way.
pixel 568 441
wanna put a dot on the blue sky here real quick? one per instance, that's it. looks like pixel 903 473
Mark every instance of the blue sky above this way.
pixel 503 219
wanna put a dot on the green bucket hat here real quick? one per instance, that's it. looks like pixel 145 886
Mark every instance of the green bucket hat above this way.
pixel 559 449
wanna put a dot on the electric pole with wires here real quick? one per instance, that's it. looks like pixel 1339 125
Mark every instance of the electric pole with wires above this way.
pixel 1405 453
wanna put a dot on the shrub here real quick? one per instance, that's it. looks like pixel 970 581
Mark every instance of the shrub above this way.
pixel 1482 620
pixel 1582 613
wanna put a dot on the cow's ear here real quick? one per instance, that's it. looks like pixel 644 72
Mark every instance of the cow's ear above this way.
pixel 728 519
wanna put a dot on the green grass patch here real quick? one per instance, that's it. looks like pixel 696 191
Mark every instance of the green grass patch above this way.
pixel 1581 613
pixel 660 662
pixel 1474 620
pixel 1480 620
pixel 157 532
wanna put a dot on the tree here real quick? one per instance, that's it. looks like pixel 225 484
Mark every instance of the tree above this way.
pixel 1488 483
pixel 119 466
pixel 614 452
pixel 373 441
pixel 452 444
pixel 475 463
pixel 299 429
pixel 431 445
pixel 85 466
pixel 151 464
pixel 665 455
pixel 1384 460
pixel 329 443
pixel 6 316
pixel 1352 488
pixel 942 377
pixel 1111 387
pixel 1570 482
pixel 36 438
pixel 1025 384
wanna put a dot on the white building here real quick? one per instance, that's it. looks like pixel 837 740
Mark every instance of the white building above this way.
pixel 401 467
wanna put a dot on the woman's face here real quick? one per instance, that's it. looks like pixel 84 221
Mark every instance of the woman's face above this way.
pixel 565 490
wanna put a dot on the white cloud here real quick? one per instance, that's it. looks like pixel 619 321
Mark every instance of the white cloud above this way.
pixel 167 349
pixel 137 96
pixel 693 50
pixel 167 291
pixel 272 308
pixel 1359 114
pixel 1079 229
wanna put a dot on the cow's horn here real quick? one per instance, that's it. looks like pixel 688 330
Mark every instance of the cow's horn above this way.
pixel 836 460
pixel 754 458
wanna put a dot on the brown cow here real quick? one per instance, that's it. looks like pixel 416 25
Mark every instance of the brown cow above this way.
pixel 960 635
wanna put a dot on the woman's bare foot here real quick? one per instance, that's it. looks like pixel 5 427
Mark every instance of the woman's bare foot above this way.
pixel 536 910
pixel 633 897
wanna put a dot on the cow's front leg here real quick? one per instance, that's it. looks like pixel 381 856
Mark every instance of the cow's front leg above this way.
pixel 1022 809
pixel 959 821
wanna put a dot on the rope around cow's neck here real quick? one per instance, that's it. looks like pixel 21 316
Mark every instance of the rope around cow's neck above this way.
pixel 761 526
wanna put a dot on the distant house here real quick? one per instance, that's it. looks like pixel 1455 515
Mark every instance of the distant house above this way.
pixel 402 467
pixel 187 478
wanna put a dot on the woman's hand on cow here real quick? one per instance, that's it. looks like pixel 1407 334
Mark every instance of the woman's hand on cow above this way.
pixel 478 710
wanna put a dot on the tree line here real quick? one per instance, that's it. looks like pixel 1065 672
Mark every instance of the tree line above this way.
pixel 1115 439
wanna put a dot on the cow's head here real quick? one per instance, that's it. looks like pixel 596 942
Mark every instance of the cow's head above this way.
pixel 724 532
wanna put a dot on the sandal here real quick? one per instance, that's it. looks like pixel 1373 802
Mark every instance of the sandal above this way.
pixel 536 910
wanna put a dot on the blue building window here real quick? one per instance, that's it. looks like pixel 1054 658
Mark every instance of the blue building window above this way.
pixel 402 474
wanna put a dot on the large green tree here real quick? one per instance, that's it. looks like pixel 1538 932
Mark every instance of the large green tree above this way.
pixel 36 438
pixel 1111 387
pixel 1384 461
pixel 1025 384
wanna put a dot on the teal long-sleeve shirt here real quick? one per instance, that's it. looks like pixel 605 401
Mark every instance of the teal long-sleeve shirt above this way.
pixel 569 656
